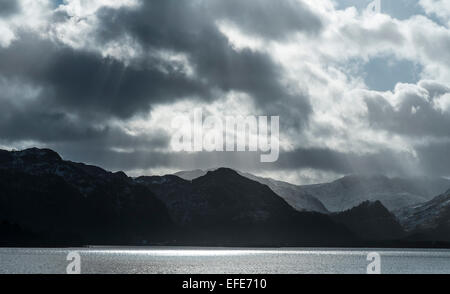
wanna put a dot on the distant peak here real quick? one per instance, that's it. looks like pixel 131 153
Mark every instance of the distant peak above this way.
pixel 371 205
pixel 190 175
pixel 121 174
pixel 220 174
pixel 223 171
pixel 45 154
pixel 160 179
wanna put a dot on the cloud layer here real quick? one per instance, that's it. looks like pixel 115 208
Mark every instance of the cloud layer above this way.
pixel 100 81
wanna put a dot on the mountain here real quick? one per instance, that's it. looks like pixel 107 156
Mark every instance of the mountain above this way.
pixel 48 201
pixel 191 175
pixel 11 234
pixel 349 191
pixel 292 194
pixel 429 221
pixel 372 221
pixel 63 202
pixel 230 208
pixel 221 196
pixel 393 193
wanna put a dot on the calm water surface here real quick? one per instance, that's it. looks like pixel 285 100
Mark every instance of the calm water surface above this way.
pixel 224 261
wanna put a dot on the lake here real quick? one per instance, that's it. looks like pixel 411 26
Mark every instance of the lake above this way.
pixel 168 260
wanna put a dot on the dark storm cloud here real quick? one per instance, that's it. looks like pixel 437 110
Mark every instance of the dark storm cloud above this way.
pixel 80 91
pixel 188 27
pixel 82 81
pixel 58 128
pixel 84 84
pixel 26 116
pixel 8 7
pixel 38 124
pixel 43 126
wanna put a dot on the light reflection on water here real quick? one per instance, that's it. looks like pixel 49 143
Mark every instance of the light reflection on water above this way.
pixel 224 261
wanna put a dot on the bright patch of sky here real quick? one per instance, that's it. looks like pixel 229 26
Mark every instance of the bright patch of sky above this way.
pixel 400 9
pixel 58 2
pixel 383 73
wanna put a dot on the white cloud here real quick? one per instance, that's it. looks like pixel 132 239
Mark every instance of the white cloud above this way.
pixel 440 8
pixel 34 16
pixel 73 23
pixel 6 34
pixel 443 103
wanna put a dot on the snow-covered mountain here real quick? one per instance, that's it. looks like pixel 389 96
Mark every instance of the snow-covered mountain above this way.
pixel 292 194
pixel 219 192
pixel 393 193
pixel 349 191
pixel 429 215
pixel 223 205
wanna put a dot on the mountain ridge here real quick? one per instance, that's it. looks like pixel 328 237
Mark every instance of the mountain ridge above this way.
pixel 372 221
pixel 48 201
pixel 394 193
pixel 431 218
pixel 71 202
pixel 350 191
pixel 240 207
pixel 287 191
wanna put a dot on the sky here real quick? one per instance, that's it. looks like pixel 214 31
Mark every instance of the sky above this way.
pixel 357 92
